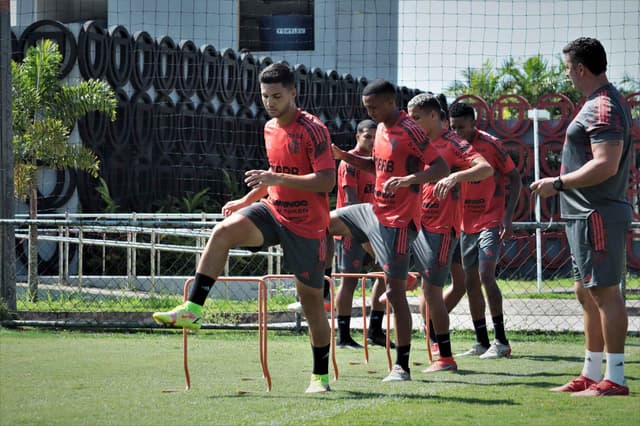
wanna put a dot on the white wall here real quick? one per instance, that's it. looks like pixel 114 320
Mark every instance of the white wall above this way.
pixel 439 39
pixel 416 43
pixel 355 36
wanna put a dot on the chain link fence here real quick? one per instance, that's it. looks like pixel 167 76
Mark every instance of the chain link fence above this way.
pixel 114 270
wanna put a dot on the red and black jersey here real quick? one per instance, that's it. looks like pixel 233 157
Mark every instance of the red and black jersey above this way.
pixel 484 201
pixel 400 150
pixel 300 148
pixel 362 182
pixel 440 215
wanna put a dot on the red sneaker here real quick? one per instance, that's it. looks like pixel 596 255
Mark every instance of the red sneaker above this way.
pixel 442 364
pixel 604 388
pixel 578 384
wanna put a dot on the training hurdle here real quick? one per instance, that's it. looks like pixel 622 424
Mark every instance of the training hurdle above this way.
pixel 262 326
pixel 380 275
pixel 333 319
pixel 363 280
pixel 262 323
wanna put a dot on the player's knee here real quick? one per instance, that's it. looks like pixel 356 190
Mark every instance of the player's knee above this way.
pixel 227 236
pixel 488 279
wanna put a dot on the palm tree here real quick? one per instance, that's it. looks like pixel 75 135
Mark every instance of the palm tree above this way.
pixel 483 82
pixel 44 113
pixel 535 77
pixel 531 79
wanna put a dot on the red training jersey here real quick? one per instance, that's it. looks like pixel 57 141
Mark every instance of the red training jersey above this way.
pixel 400 150
pixel 484 201
pixel 439 216
pixel 362 182
pixel 300 148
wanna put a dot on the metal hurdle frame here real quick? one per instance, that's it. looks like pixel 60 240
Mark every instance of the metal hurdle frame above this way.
pixel 379 275
pixel 262 323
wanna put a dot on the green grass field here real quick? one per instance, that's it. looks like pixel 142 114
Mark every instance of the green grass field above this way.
pixel 77 378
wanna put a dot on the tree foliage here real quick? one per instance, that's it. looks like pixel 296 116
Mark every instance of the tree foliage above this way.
pixel 45 112
pixel 530 78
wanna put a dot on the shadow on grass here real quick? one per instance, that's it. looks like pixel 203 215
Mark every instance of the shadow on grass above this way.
pixel 552 358
pixel 368 395
pixel 508 374
pixel 355 395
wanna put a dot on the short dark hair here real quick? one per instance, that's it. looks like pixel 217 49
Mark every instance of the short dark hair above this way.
pixel 379 87
pixel 366 124
pixel 461 109
pixel 588 52
pixel 278 72
pixel 425 102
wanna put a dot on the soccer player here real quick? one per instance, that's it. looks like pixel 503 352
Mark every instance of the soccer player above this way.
pixel 441 214
pixel 486 221
pixel 592 185
pixel 295 215
pixel 401 152
pixel 354 187
pixel 456 290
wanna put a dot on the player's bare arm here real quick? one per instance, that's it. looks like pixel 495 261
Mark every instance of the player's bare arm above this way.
pixel 603 165
pixel 365 164
pixel 320 181
pixel 251 197
pixel 436 170
pixel 479 169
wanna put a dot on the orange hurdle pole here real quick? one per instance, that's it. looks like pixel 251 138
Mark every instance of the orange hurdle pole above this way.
pixel 363 277
pixel 332 291
pixel 262 330
pixel 365 341
pixel 262 321
pixel 185 332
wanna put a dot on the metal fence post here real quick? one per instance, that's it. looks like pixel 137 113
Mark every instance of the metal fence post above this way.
pixel 7 233
pixel 536 115
pixel 152 262
pixel 80 259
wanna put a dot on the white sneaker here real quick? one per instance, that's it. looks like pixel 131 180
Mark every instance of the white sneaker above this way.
pixel 476 350
pixel 295 307
pixel 397 375
pixel 497 350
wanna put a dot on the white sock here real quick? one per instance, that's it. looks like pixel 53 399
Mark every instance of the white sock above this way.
pixel 614 370
pixel 592 365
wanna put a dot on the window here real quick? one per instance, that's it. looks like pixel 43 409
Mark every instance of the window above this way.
pixel 71 10
pixel 273 25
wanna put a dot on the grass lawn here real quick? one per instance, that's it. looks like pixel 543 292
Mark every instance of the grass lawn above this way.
pixel 77 378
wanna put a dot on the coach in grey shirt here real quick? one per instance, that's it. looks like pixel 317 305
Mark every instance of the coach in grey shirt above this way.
pixel 592 184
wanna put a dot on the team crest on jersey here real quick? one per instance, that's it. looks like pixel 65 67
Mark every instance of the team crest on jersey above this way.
pixel 394 142
pixel 294 146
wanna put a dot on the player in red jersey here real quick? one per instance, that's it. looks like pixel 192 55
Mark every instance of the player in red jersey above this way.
pixel 295 215
pixel 402 159
pixel 441 213
pixel 354 187
pixel 456 290
pixel 486 221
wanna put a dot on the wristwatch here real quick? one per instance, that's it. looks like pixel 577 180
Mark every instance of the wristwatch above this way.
pixel 558 185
